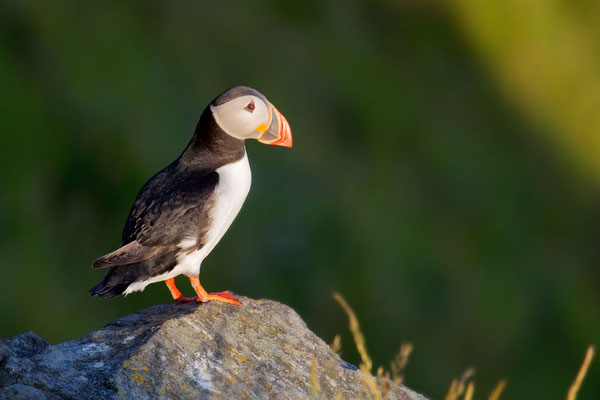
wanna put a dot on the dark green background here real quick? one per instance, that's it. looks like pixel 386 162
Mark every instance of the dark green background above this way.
pixel 433 204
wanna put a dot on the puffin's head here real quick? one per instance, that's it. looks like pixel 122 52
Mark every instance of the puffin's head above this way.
pixel 244 113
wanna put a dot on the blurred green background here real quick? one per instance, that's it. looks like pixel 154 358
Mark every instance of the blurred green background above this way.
pixel 445 174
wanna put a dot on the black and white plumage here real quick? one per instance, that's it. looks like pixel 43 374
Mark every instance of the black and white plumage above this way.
pixel 183 211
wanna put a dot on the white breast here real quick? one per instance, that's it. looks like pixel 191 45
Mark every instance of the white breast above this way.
pixel 230 194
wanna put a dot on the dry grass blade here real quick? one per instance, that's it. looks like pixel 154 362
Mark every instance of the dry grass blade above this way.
pixel 359 338
pixel 451 395
pixel 314 379
pixel 336 345
pixel 589 355
pixel 400 360
pixel 457 387
pixel 385 386
pixel 370 381
pixel 495 395
pixel 470 391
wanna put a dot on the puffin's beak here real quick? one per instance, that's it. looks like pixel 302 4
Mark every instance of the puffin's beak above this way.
pixel 279 132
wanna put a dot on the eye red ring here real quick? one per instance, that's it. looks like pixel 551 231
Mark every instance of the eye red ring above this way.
pixel 250 106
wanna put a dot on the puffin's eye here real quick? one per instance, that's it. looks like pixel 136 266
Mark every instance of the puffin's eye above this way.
pixel 250 106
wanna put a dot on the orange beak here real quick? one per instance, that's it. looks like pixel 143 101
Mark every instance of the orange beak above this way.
pixel 279 132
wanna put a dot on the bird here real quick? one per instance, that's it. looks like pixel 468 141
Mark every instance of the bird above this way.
pixel 183 211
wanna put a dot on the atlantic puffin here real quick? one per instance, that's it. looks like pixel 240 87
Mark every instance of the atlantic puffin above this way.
pixel 183 211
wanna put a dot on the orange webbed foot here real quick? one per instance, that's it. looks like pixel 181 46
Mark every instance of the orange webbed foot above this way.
pixel 225 297
pixel 203 296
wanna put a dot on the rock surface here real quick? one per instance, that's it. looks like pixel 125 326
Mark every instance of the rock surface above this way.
pixel 191 351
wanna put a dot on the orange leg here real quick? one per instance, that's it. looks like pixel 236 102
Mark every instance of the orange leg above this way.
pixel 203 296
pixel 176 293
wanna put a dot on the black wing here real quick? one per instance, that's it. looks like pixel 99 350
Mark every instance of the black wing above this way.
pixel 171 206
pixel 132 252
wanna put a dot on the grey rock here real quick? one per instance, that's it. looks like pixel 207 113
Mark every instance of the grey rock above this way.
pixel 261 350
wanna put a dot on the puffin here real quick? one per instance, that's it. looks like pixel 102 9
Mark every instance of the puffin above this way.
pixel 183 211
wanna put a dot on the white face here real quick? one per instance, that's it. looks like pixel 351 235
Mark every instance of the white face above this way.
pixel 244 117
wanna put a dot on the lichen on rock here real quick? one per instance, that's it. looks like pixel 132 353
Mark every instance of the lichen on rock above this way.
pixel 202 351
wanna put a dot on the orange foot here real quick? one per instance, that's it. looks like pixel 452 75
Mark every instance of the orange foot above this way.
pixel 203 296
pixel 177 294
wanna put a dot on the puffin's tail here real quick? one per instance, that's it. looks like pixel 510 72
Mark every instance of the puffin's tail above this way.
pixel 111 286
pixel 119 278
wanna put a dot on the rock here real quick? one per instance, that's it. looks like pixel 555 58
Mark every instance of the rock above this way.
pixel 191 351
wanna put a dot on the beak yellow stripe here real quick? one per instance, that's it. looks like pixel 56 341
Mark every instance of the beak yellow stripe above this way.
pixel 261 128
